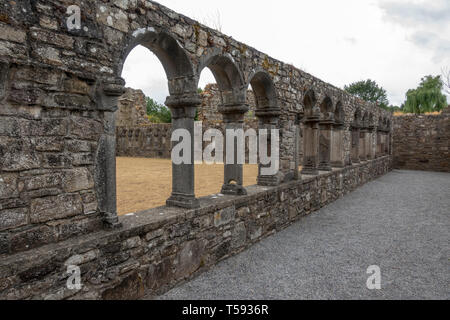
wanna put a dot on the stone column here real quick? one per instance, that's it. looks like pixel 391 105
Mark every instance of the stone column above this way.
pixel 326 127
pixel 337 146
pixel 107 96
pixel 233 118
pixel 297 138
pixel 371 137
pixel 355 143
pixel 362 145
pixel 268 119
pixel 311 146
pixel 183 177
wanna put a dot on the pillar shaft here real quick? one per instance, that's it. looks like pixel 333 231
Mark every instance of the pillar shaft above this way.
pixel 355 145
pixel 362 145
pixel 233 116
pixel 337 147
pixel 183 175
pixel 325 146
pixel 311 148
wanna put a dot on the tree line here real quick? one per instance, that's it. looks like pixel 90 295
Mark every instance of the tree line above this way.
pixel 427 97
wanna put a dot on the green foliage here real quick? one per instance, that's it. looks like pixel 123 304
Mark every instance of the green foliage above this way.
pixel 428 97
pixel 158 113
pixel 369 91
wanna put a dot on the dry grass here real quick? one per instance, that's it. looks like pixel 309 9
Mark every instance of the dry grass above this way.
pixel 147 183
pixel 401 114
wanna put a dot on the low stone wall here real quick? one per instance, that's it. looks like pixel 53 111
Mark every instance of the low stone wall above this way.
pixel 158 249
pixel 152 141
pixel 422 142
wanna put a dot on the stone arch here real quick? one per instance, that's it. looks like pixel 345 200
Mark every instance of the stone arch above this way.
pixel 174 59
pixel 264 90
pixel 227 74
pixel 311 134
pixel 339 113
pixel 326 108
pixel 309 102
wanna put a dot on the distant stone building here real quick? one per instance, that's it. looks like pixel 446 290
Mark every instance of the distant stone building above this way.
pixel 132 109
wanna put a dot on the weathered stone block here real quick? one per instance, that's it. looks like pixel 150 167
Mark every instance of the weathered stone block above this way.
pixel 17 154
pixel 239 235
pixel 224 216
pixel 56 207
pixel 80 259
pixel 10 33
pixel 13 218
pixel 8 186
pixel 78 179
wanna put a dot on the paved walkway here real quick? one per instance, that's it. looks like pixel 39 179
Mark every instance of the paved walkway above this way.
pixel 400 222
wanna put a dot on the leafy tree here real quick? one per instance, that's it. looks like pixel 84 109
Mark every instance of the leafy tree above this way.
pixel 370 91
pixel 158 113
pixel 428 97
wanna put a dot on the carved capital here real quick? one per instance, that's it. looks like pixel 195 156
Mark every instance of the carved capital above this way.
pixel 108 93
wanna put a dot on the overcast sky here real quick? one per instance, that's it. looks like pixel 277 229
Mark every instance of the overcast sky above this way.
pixel 394 42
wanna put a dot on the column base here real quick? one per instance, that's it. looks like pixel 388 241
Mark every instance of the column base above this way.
pixel 310 171
pixel 111 221
pixel 233 190
pixel 183 201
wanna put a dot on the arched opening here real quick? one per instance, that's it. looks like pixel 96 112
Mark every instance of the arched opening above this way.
pixel 152 140
pixel 143 135
pixel 363 145
pixel 267 113
pixel 337 144
pixel 311 134
pixel 223 109
pixel 326 127
pixel 356 128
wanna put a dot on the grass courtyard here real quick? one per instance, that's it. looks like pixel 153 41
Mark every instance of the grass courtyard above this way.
pixel 147 183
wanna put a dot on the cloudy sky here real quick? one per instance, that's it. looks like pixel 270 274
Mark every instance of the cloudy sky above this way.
pixel 394 42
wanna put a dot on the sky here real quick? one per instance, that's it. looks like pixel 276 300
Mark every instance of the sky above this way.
pixel 394 42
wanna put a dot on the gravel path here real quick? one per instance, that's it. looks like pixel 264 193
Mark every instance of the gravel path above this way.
pixel 400 222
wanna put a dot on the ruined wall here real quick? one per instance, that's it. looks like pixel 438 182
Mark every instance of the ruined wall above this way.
pixel 150 141
pixel 422 142
pixel 59 90
pixel 132 109
pixel 138 138
pixel 160 248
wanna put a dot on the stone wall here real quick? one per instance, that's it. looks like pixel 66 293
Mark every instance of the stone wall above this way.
pixel 59 91
pixel 160 248
pixel 150 141
pixel 132 109
pixel 137 138
pixel 422 142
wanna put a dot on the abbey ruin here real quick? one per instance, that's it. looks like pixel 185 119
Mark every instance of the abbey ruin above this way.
pixel 59 92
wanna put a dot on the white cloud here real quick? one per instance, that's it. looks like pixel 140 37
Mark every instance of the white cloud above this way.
pixel 395 43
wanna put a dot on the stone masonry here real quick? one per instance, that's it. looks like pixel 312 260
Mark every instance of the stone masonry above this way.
pixel 422 142
pixel 132 109
pixel 59 91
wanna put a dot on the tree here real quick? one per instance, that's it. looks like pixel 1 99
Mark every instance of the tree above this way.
pixel 158 113
pixel 370 91
pixel 428 97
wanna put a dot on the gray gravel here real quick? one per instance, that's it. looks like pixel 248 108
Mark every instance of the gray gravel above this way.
pixel 399 222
